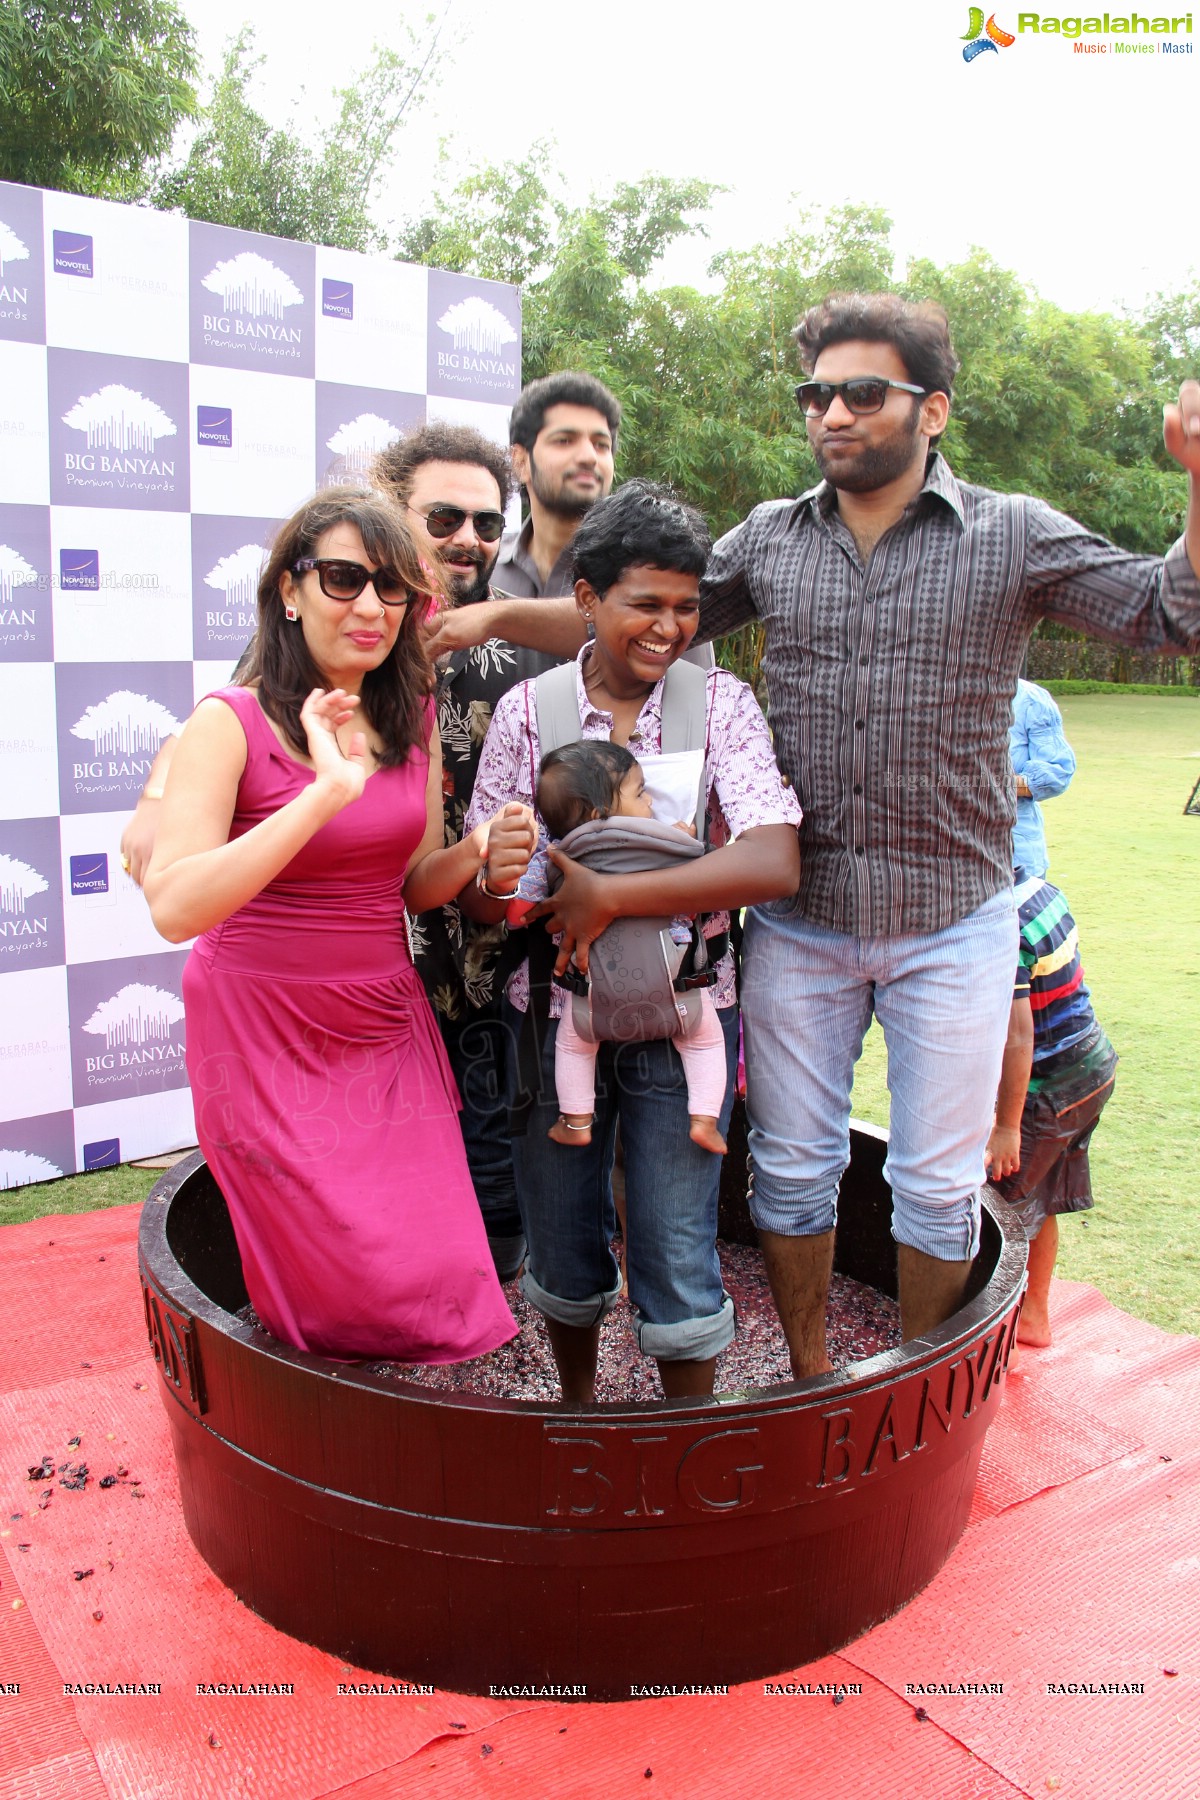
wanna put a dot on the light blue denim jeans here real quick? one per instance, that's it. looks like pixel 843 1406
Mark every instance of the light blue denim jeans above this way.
pixel 683 1312
pixel 943 999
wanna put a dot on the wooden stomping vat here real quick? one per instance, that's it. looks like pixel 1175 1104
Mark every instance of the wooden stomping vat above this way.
pixel 473 1543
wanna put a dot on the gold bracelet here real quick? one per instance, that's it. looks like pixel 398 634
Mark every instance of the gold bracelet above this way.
pixel 152 793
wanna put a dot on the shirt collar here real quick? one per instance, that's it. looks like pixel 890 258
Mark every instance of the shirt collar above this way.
pixel 517 550
pixel 589 713
pixel 939 481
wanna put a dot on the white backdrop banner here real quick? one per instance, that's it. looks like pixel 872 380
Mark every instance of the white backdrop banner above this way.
pixel 169 391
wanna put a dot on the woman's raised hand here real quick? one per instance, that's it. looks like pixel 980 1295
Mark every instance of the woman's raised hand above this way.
pixel 342 773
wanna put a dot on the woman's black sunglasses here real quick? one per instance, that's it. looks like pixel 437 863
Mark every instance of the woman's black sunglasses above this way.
pixel 444 521
pixel 863 394
pixel 346 580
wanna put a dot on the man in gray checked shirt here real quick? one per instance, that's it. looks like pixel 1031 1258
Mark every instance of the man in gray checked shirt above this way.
pixel 897 603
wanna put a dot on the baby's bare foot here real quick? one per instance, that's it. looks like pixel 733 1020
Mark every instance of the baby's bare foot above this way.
pixel 703 1131
pixel 573 1129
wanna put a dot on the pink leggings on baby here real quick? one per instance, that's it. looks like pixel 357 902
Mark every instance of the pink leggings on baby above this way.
pixel 702 1055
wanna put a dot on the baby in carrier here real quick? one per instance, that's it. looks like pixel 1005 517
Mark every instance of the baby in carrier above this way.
pixel 595 780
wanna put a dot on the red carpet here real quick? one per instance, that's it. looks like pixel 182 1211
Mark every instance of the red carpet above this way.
pixel 1080 1566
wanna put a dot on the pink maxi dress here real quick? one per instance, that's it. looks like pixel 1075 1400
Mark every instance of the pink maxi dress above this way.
pixel 324 1101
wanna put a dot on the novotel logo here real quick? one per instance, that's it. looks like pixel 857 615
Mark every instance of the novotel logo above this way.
pixel 214 426
pixel 89 874
pixel 105 1153
pixel 337 299
pixel 73 254
pixel 79 571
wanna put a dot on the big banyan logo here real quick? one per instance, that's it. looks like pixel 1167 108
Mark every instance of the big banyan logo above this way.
pixel 116 417
pixel 15 572
pixel 248 283
pixel 135 1014
pixel 12 250
pixel 126 724
pixel 478 326
pixel 18 1168
pixel 236 575
pixel 979 37
pixel 20 882
pixel 359 441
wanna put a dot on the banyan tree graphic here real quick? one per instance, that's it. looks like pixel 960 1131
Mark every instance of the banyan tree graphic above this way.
pixel 18 1167
pixel 360 440
pixel 250 284
pixel 18 883
pixel 133 1014
pixel 476 324
pixel 15 572
pixel 11 248
pixel 128 723
pixel 236 575
pixel 119 418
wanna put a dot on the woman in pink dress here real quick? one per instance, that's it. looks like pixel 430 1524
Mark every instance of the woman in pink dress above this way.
pixel 302 812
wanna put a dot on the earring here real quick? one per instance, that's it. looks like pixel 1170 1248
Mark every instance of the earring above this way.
pixel 290 613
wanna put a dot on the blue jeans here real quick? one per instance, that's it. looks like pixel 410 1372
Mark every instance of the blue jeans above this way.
pixel 477 1045
pixel 671 1186
pixel 943 999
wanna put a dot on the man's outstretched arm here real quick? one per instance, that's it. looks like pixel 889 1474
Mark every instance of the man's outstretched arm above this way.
pixel 549 625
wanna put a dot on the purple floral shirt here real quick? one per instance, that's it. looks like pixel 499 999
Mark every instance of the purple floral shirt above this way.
pixel 745 787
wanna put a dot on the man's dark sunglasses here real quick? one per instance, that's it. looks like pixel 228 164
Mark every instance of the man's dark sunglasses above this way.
pixel 863 394
pixel 346 580
pixel 444 521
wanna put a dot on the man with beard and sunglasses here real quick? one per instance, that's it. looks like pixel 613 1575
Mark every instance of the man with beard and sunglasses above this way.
pixel 897 603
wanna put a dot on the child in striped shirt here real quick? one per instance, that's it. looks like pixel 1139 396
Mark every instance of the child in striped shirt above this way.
pixel 1058 1072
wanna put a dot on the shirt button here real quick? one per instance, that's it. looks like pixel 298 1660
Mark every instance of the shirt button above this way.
pixel 860 850
pixel 858 787
pixel 863 661
pixel 860 725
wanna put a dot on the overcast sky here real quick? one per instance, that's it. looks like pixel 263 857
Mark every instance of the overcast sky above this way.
pixel 1067 168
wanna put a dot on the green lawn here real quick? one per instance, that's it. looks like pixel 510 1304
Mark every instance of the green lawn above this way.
pixel 1129 862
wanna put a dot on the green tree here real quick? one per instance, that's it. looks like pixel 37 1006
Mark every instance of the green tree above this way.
pixel 91 91
pixel 244 172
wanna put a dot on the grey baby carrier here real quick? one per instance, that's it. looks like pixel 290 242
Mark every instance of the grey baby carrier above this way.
pixel 640 983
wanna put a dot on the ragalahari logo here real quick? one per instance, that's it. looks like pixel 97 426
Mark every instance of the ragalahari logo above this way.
pixel 134 1015
pixel 126 724
pixel 248 283
pixel 19 882
pixel 73 254
pixel 18 1168
pixel 476 325
pixel 12 250
pixel 359 441
pixel 236 575
pixel 980 37
pixel 15 572
pixel 79 571
pixel 118 418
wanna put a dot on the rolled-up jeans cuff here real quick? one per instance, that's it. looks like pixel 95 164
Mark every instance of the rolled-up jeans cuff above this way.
pixel 583 1313
pixel 793 1206
pixel 508 1253
pixel 691 1340
pixel 948 1232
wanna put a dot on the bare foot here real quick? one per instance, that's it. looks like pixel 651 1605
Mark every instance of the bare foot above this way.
pixel 572 1129
pixel 703 1131
pixel 822 1366
pixel 1033 1328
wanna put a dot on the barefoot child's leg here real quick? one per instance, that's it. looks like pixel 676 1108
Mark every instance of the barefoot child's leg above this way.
pixel 703 1058
pixel 575 1082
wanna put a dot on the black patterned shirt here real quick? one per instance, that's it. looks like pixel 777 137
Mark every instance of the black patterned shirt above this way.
pixel 890 686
